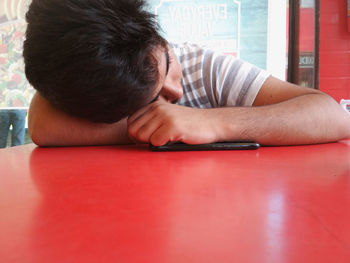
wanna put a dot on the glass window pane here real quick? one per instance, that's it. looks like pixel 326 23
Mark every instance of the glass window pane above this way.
pixel 306 43
pixel 229 26
pixel 302 43
pixel 15 91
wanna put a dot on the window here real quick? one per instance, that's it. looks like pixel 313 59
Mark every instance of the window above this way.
pixel 15 92
pixel 253 30
pixel 303 48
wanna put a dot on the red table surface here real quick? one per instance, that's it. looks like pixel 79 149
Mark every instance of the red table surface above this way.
pixel 126 204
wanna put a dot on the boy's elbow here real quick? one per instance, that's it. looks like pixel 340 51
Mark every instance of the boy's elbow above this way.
pixel 36 138
pixel 36 133
pixel 36 123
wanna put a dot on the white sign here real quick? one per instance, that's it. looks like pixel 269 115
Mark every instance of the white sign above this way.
pixel 215 24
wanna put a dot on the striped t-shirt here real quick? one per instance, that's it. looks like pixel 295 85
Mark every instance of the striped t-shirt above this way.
pixel 212 80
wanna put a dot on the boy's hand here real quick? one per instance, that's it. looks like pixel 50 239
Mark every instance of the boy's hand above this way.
pixel 162 122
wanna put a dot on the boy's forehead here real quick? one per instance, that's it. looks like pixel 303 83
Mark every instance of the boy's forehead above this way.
pixel 162 56
pixel 167 61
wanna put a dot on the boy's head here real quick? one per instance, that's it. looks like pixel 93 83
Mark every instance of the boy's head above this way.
pixel 94 59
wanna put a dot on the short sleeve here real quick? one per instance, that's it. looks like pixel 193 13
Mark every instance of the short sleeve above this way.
pixel 231 81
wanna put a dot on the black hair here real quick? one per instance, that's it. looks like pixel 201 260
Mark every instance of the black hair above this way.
pixel 93 59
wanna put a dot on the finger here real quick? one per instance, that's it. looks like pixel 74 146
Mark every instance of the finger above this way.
pixel 163 135
pixel 144 132
pixel 141 122
pixel 132 118
pixel 145 109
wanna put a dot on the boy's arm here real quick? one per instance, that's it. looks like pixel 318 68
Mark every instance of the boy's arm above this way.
pixel 48 126
pixel 283 114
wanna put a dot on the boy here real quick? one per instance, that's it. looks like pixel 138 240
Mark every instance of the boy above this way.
pixel 104 75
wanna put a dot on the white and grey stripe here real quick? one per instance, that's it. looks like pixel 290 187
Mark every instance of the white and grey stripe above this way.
pixel 213 80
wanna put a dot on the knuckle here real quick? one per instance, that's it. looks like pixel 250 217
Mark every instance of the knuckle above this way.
pixel 172 124
pixel 132 131
pixel 142 137
pixel 159 107
pixel 156 141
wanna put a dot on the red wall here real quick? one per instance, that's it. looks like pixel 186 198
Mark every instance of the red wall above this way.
pixel 335 49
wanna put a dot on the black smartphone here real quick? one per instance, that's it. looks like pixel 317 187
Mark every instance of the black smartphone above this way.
pixel 232 145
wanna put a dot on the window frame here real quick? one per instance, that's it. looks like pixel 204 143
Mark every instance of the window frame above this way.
pixel 293 44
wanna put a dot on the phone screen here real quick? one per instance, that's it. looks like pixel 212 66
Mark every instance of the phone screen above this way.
pixel 232 145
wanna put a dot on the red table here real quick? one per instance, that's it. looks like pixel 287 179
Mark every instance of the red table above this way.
pixel 126 204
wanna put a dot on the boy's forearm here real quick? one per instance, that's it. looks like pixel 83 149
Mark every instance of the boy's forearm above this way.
pixel 307 119
pixel 50 127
